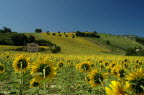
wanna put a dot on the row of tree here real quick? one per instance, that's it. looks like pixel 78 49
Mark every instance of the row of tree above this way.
pixel 18 39
pixel 137 51
pixel 5 30
pixel 140 40
pixel 87 34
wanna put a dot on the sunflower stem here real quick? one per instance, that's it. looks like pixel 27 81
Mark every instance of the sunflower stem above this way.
pixel 21 82
pixel 44 82
pixel 101 84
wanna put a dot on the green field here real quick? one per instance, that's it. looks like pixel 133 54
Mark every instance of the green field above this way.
pixel 85 45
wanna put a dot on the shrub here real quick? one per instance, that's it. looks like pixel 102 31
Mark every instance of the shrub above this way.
pixel 41 49
pixel 44 42
pixel 56 49
pixel 90 34
pixel 73 36
pixel 38 30
pixel 59 34
pixel 130 52
pixel 107 42
pixel 31 39
pixel 53 34
pixel 47 32
pixel 140 40
pixel 19 39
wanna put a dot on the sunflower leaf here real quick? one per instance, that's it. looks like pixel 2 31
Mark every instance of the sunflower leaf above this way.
pixel 12 83
pixel 142 87
pixel 33 90
pixel 97 87
pixel 37 74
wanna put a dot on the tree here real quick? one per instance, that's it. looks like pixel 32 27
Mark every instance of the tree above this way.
pixel 5 30
pixel 19 39
pixel 56 49
pixel 94 32
pixel 31 39
pixel 53 34
pixel 38 30
pixel 47 32
pixel 73 36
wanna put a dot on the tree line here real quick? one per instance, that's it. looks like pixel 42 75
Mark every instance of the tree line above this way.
pixel 87 34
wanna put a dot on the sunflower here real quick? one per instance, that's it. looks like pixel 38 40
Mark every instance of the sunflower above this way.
pixel 116 88
pixel 87 79
pixel 34 83
pixel 136 80
pixel 106 63
pixel 112 64
pixel 60 64
pixel 118 71
pixel 96 78
pixel 125 64
pixel 21 63
pixel 84 66
pixel 2 68
pixel 45 68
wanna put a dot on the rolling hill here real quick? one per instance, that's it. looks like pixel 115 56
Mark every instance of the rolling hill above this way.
pixel 87 45
pixel 107 44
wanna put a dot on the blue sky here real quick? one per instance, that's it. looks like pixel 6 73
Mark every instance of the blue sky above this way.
pixel 116 17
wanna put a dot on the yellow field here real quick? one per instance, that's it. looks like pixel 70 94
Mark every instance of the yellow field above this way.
pixel 41 73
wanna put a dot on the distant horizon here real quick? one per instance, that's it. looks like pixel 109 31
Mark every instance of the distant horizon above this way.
pixel 77 30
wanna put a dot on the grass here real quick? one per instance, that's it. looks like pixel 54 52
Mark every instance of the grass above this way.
pixel 7 47
pixel 36 35
pixel 85 45
pixel 120 41
pixel 75 45
pixel 91 46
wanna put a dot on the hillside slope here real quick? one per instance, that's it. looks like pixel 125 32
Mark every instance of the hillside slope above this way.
pixel 117 44
pixel 87 45
pixel 75 45
pixel 120 41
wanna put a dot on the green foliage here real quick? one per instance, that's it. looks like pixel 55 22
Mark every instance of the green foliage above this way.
pixel 41 49
pixel 20 49
pixel 53 34
pixel 5 30
pixel 59 34
pixel 73 36
pixel 43 42
pixel 130 52
pixel 107 42
pixel 19 39
pixel 38 30
pixel 134 52
pixel 47 32
pixel 56 49
pixel 31 39
pixel 140 40
pixel 90 34
pixel 5 38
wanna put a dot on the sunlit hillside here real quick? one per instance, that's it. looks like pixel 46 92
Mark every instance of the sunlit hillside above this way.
pixel 88 45
pixel 75 45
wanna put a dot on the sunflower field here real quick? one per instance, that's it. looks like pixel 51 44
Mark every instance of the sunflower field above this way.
pixel 55 74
